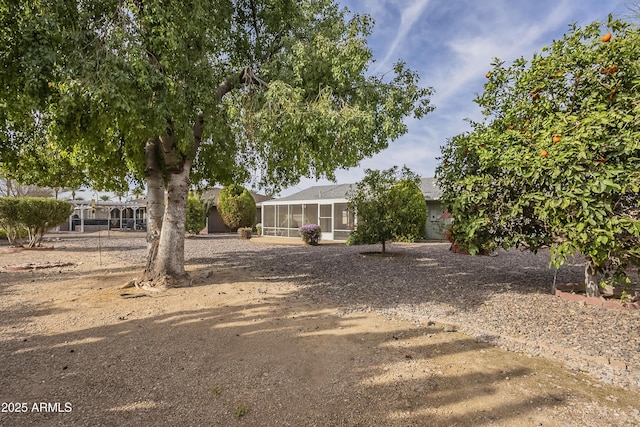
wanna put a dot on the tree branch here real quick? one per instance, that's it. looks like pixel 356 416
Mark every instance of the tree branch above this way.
pixel 198 130
pixel 246 76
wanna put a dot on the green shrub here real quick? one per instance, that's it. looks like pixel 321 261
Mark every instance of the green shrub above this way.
pixel 389 206
pixel 196 215
pixel 237 207
pixel 36 214
pixel 410 211
pixel 9 219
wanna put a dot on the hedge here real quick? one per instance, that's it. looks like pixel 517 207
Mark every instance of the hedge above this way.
pixel 36 214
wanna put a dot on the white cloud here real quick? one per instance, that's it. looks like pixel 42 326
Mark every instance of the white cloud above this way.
pixel 505 37
pixel 408 18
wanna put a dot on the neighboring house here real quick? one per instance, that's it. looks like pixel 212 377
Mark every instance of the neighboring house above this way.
pixel 214 220
pixel 106 215
pixel 326 205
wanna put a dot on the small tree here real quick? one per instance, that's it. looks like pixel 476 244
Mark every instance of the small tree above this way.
pixel 236 207
pixel 389 206
pixel 196 215
pixel 35 214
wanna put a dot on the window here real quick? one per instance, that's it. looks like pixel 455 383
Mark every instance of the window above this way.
pixel 310 213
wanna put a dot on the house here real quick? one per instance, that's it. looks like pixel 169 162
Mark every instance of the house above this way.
pixel 98 215
pixel 327 206
pixel 214 220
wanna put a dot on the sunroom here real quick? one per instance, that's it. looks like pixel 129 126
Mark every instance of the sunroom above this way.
pixel 322 205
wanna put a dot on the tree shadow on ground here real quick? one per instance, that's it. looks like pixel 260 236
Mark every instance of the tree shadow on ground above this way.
pixel 189 355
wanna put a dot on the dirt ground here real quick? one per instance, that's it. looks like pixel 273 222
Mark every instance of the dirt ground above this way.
pixel 239 348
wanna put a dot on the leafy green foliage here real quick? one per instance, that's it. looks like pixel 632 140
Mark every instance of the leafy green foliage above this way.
pixel 389 206
pixel 236 206
pixel 556 161
pixel 36 214
pixel 410 210
pixel 196 215
pixel 148 69
pixel 10 219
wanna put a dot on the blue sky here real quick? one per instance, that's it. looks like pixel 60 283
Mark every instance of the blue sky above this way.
pixel 451 45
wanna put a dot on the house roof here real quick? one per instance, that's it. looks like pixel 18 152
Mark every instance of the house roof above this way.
pixel 430 189
pixel 320 192
pixel 428 186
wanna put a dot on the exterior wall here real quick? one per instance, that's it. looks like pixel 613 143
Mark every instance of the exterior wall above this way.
pixel 436 225
pixel 215 223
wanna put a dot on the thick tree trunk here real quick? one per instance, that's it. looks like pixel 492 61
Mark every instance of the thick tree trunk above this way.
pixel 165 258
pixel 165 265
pixel 591 279
pixel 155 198
pixel 165 234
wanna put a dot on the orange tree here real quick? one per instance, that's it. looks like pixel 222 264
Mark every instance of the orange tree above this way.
pixel 556 160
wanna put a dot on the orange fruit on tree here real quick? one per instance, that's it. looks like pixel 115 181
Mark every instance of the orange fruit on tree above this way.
pixel 606 38
pixel 511 127
pixel 544 153
pixel 487 75
pixel 556 139
pixel 609 70
pixel 527 121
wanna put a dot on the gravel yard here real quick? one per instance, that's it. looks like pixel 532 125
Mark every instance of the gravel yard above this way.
pixel 504 299
pixel 420 291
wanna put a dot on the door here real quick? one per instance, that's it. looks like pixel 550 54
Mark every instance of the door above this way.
pixel 325 220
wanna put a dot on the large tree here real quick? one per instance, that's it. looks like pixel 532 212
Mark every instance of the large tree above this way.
pixel 177 93
pixel 556 161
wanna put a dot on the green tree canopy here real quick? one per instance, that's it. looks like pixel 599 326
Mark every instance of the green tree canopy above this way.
pixel 236 207
pixel 556 161
pixel 179 93
pixel 389 206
